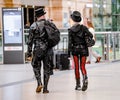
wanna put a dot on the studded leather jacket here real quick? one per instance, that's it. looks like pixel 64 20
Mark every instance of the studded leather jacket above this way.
pixel 37 36
pixel 76 35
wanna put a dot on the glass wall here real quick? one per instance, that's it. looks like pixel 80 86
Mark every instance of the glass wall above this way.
pixel 102 15
pixel 106 14
pixel 116 15
pixel 107 44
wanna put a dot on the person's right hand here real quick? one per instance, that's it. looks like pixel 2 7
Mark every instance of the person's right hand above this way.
pixel 29 58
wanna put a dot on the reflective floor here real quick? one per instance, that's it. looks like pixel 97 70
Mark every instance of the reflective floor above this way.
pixel 17 83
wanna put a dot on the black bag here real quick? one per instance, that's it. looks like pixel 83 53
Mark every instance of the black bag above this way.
pixel 89 41
pixel 53 33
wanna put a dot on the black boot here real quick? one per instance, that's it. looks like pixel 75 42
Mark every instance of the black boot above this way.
pixel 46 79
pixel 78 86
pixel 85 83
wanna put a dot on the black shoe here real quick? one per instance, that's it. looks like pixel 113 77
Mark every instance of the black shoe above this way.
pixel 45 91
pixel 85 85
pixel 38 89
pixel 78 88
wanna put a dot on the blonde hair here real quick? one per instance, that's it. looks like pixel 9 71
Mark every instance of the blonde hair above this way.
pixel 89 23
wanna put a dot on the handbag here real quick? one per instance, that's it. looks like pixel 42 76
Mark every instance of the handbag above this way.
pixel 89 41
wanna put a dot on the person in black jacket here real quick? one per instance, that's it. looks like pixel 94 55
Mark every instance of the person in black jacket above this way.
pixel 78 49
pixel 41 52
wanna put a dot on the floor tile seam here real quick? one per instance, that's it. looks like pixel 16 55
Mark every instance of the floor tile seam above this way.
pixel 17 82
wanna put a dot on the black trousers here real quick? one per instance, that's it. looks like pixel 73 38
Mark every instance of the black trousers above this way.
pixel 37 64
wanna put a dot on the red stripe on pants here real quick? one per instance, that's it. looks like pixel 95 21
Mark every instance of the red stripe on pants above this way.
pixel 76 61
pixel 82 66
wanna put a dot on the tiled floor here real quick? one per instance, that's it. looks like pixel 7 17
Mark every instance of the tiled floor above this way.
pixel 17 83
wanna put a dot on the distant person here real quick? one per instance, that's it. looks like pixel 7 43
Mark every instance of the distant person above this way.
pixel 91 52
pixel 38 37
pixel 78 49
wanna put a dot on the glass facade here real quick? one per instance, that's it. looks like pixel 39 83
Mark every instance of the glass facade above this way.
pixel 116 15
pixel 106 14
pixel 102 15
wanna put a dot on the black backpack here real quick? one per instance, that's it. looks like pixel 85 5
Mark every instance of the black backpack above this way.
pixel 53 33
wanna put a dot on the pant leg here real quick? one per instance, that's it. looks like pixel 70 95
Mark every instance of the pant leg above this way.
pixel 76 62
pixel 82 65
pixel 46 72
pixel 84 72
pixel 50 60
pixel 36 64
pixel 94 54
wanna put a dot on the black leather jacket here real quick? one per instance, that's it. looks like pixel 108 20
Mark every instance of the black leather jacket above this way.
pixel 35 38
pixel 76 35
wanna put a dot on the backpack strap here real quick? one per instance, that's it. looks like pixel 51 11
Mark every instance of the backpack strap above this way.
pixel 41 33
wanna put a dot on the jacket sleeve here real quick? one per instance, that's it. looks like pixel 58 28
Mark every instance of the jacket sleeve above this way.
pixel 69 42
pixel 30 41
pixel 87 32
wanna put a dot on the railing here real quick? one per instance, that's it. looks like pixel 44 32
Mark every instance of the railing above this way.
pixel 110 45
pixel 107 44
